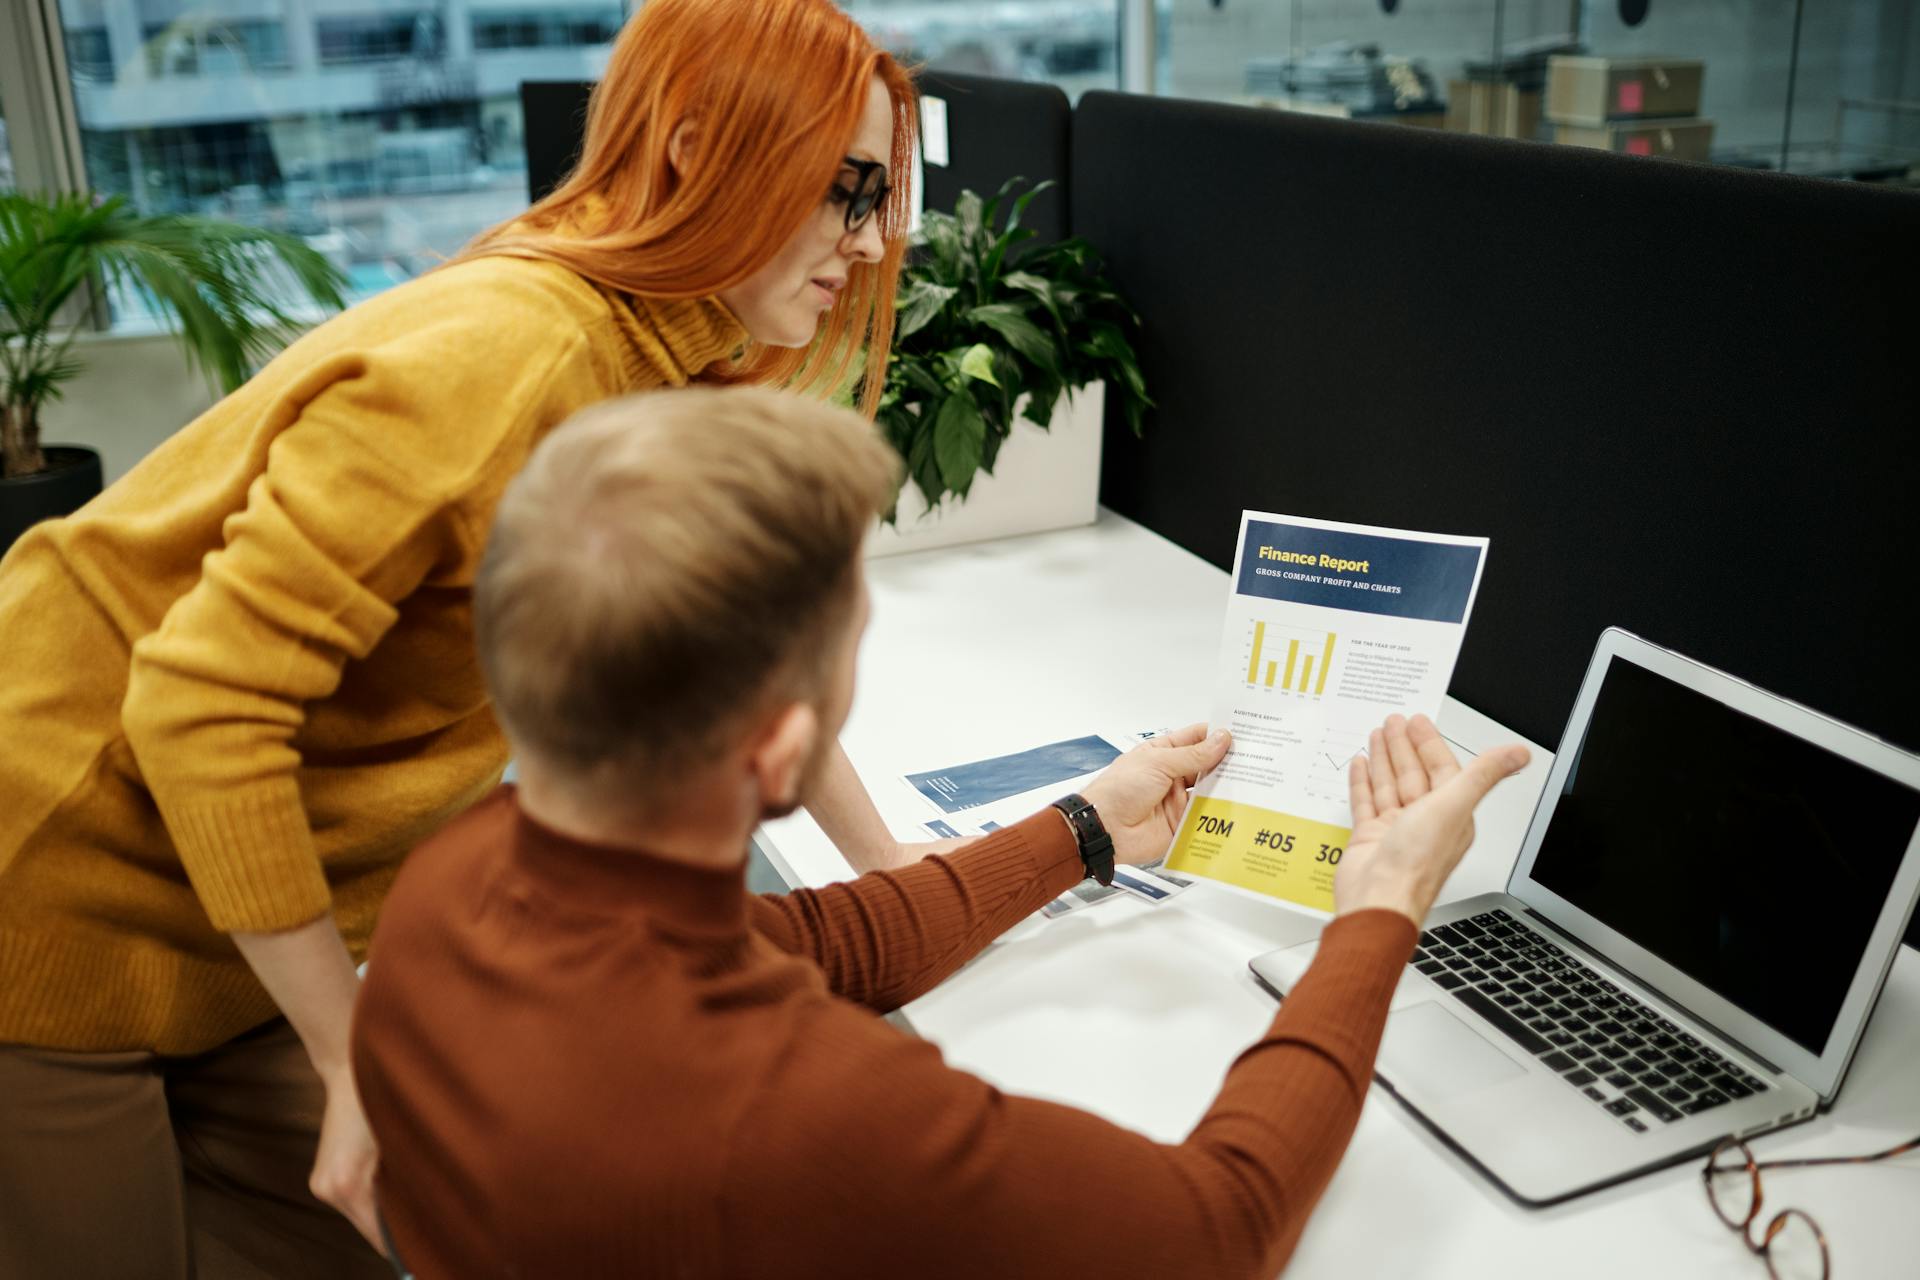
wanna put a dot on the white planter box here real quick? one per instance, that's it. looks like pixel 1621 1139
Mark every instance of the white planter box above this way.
pixel 1041 480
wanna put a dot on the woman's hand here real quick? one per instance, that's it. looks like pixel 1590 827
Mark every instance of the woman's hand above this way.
pixel 310 976
pixel 344 1167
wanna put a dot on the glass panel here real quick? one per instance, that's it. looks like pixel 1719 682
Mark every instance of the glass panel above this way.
pixel 1365 59
pixel 1072 43
pixel 1707 79
pixel 386 132
pixel 1851 74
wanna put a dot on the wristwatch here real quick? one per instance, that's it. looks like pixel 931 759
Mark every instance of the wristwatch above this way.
pixel 1096 846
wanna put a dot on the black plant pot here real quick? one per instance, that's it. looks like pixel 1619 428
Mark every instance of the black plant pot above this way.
pixel 71 479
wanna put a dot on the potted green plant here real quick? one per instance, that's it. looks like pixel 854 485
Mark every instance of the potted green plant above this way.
pixel 992 333
pixel 222 287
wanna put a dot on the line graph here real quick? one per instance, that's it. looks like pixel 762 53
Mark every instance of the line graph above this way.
pixel 1327 762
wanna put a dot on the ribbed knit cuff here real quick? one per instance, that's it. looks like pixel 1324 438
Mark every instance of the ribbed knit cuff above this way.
pixel 1019 868
pixel 1340 1003
pixel 1054 850
pixel 1375 928
pixel 251 859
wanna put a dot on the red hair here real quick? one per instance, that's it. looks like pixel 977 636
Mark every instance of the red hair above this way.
pixel 775 90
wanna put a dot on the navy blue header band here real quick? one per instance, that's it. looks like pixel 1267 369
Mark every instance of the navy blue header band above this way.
pixel 1397 577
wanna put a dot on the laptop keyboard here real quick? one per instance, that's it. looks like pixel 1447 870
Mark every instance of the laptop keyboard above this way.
pixel 1639 1067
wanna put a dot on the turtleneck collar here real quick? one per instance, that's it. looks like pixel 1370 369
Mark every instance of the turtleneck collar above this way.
pixel 669 341
pixel 608 880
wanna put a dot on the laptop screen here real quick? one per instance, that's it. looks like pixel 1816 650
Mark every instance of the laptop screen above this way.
pixel 1755 862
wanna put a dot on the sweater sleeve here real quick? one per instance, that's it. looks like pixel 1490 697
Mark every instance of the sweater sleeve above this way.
pixel 357 504
pixel 939 1174
pixel 891 936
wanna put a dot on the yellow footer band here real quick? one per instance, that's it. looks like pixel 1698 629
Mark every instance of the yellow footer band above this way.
pixel 1254 848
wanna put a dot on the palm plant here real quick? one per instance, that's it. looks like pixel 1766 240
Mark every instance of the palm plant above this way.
pixel 222 287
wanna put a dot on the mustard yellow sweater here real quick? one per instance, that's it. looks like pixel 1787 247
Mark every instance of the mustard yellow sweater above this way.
pixel 238 686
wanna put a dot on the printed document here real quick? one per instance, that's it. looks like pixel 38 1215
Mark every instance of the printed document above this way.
pixel 980 796
pixel 1330 628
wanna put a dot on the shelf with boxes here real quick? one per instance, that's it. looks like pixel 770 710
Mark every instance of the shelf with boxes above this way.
pixel 1500 98
pixel 1637 106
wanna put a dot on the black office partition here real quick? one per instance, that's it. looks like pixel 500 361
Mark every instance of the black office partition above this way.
pixel 553 116
pixel 996 130
pixel 1680 399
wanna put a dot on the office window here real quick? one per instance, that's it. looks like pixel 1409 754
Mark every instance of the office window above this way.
pixel 7 182
pixel 1481 66
pixel 376 37
pixel 1072 43
pixel 386 132
pixel 535 29
pixel 191 48
pixel 89 56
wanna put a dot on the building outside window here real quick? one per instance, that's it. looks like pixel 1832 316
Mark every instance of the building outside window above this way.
pixel 552 29
pixel 386 132
pixel 376 37
pixel 193 47
pixel 88 55
pixel 1072 43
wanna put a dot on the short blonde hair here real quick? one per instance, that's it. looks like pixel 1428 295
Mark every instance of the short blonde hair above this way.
pixel 666 565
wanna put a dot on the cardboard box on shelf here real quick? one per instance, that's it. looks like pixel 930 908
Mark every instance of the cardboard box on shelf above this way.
pixel 1592 91
pixel 1494 109
pixel 1675 139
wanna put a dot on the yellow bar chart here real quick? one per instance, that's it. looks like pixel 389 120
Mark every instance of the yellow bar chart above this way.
pixel 1312 669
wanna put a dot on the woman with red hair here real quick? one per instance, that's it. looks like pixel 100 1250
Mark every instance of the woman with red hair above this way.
pixel 241 683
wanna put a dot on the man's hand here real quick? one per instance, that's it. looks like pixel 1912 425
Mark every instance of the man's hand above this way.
pixel 1412 816
pixel 1141 796
pixel 343 1171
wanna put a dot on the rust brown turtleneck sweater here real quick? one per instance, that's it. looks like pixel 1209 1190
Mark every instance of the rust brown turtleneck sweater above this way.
pixel 590 1062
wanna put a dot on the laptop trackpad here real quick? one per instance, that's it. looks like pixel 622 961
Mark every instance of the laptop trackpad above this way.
pixel 1426 1046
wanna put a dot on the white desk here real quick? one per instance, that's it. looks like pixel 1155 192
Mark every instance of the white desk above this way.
pixel 1135 1012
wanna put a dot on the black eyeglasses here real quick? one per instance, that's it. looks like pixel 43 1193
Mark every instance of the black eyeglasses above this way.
pixel 868 192
pixel 1792 1244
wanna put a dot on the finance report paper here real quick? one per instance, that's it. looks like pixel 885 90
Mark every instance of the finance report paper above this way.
pixel 1330 628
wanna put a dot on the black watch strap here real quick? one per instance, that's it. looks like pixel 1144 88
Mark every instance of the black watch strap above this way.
pixel 1096 846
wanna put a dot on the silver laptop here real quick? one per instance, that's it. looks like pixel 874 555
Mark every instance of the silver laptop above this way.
pixel 1701 918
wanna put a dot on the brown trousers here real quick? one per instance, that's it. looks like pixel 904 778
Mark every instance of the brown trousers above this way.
pixel 131 1166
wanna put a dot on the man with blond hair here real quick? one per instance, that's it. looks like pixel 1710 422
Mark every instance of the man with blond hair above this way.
pixel 586 1050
